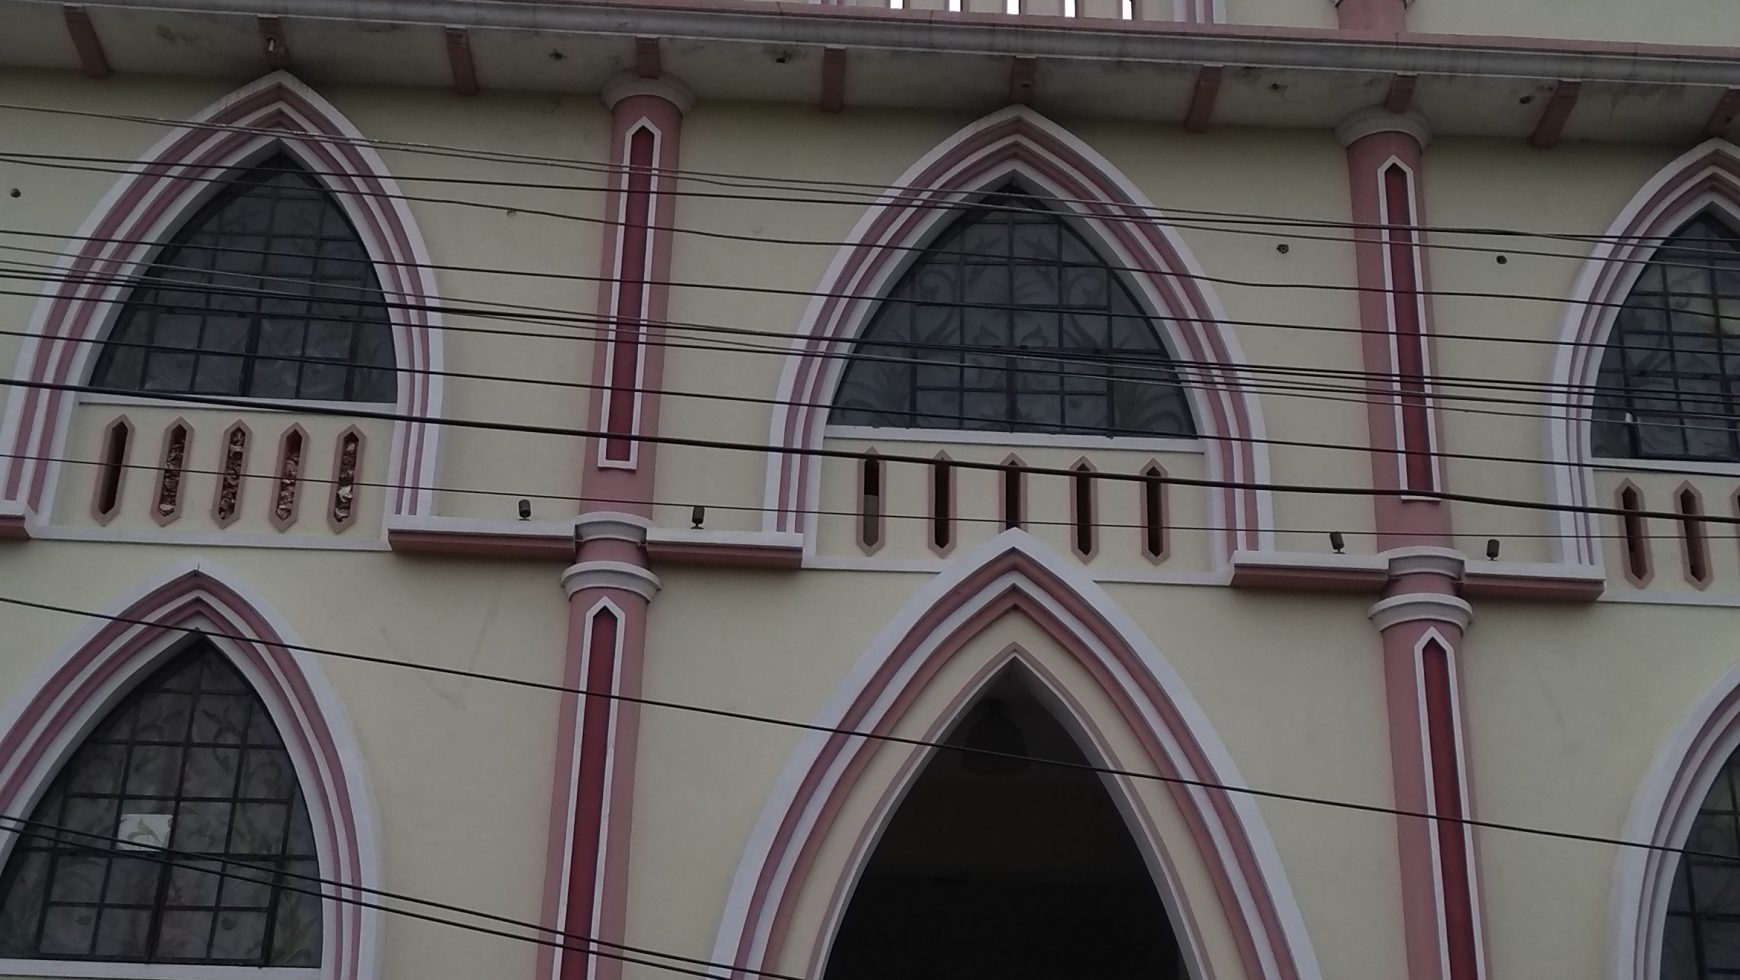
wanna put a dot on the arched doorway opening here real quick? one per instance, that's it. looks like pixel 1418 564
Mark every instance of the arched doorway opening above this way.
pixel 1005 869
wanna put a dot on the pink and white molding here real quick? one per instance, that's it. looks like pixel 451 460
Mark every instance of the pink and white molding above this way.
pixel 628 364
pixel 1706 177
pixel 146 206
pixel 106 658
pixel 1019 143
pixel 610 585
pixel 1012 574
pixel 1662 812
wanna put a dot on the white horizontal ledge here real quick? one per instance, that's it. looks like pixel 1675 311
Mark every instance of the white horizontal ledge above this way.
pixel 1252 46
pixel 976 437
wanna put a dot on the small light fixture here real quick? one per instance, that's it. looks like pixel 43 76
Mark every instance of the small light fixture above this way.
pixel 1336 541
pixel 1491 549
pixel 525 509
pixel 697 517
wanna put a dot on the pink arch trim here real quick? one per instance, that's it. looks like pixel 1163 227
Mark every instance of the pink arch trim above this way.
pixel 1010 142
pixel 1013 573
pixel 1707 176
pixel 51 717
pixel 147 204
pixel 1667 802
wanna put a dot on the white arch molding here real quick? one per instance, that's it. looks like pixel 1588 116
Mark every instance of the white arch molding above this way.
pixel 144 208
pixel 46 721
pixel 1704 178
pixel 1112 213
pixel 1661 814
pixel 1014 573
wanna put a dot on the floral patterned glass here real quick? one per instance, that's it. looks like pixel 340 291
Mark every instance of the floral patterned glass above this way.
pixel 1669 386
pixel 191 761
pixel 266 292
pixel 1011 322
pixel 1702 938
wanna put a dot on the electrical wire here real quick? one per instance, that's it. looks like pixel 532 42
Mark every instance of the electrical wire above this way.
pixel 57 273
pixel 711 505
pixel 1445 387
pixel 621 952
pixel 763 239
pixel 883 737
pixel 876 193
pixel 828 453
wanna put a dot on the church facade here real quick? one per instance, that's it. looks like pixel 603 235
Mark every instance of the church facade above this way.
pixel 946 489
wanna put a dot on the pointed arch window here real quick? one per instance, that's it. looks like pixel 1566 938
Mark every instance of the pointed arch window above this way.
pixel 190 760
pixel 1669 385
pixel 1702 918
pixel 1011 322
pixel 266 292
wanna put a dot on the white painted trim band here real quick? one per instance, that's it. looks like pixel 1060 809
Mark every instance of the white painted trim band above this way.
pixel 1376 119
pixel 609 575
pixel 607 525
pixel 664 87
pixel 1416 607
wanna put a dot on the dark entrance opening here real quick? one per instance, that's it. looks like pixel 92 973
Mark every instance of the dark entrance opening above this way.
pixel 1000 869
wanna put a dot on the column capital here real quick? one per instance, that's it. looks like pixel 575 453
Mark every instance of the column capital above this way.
pixel 1376 119
pixel 1425 560
pixel 1416 607
pixel 609 575
pixel 666 87
pixel 609 525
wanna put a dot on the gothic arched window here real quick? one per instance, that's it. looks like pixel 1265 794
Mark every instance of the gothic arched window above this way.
pixel 1703 916
pixel 1011 322
pixel 1669 386
pixel 190 761
pixel 266 292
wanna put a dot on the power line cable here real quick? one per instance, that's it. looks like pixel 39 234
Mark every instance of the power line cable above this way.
pixel 1444 387
pixel 877 192
pixel 825 452
pixel 930 744
pixel 711 505
pixel 565 315
pixel 132 850
pixel 963 206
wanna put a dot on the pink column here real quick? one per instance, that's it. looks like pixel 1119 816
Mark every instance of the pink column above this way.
pixel 1372 15
pixel 1421 619
pixel 1384 152
pixel 610 585
pixel 646 131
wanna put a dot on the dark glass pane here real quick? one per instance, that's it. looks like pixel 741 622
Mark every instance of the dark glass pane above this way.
pixel 67 931
pixel 1668 379
pixel 189 760
pixel 249 272
pixel 975 336
pixel 123 934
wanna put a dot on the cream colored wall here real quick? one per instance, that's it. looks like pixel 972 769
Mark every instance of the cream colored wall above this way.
pixel 460 770
pixel 1321 682
pixel 1281 13
pixel 1703 22
pixel 1565 709
pixel 1496 337
pixel 539 354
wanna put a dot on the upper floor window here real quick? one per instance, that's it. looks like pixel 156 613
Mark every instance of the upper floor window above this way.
pixel 1011 322
pixel 266 292
pixel 1669 386
pixel 190 761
